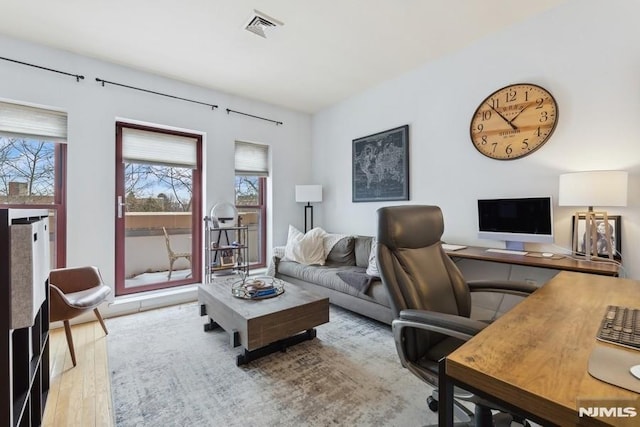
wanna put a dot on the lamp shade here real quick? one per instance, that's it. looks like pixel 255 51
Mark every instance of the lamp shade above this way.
pixel 593 188
pixel 308 193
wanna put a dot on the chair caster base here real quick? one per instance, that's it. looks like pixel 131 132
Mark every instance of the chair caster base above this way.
pixel 432 404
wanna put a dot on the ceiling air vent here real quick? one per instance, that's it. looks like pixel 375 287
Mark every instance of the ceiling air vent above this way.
pixel 259 22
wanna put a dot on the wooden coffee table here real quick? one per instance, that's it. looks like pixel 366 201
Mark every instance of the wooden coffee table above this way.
pixel 262 326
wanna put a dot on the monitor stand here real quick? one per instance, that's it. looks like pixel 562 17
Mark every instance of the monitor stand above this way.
pixel 515 246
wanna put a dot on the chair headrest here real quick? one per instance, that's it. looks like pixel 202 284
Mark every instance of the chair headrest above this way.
pixel 410 226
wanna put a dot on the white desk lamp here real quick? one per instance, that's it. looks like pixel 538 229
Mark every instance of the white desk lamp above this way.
pixel 307 194
pixel 593 188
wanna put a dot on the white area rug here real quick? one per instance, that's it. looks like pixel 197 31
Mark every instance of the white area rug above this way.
pixel 166 371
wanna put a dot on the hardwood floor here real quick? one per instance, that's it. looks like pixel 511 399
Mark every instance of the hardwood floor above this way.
pixel 79 396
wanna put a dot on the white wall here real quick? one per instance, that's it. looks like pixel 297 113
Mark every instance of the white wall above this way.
pixel 92 112
pixel 584 52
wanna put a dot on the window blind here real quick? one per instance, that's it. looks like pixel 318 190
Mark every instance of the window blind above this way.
pixel 159 148
pixel 251 159
pixel 32 122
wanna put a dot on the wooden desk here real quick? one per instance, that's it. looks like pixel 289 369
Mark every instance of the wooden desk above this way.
pixel 534 259
pixel 535 357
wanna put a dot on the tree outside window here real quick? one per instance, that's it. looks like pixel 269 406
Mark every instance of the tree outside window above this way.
pixel 27 171
pixel 156 188
pixel 247 190
pixel 31 177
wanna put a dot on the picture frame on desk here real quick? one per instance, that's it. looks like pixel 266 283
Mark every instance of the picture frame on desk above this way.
pixel 601 244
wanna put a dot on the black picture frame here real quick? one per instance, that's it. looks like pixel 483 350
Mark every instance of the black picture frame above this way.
pixel 615 224
pixel 380 166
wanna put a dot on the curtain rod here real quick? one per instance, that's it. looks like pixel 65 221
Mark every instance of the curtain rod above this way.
pixel 154 92
pixel 77 76
pixel 255 117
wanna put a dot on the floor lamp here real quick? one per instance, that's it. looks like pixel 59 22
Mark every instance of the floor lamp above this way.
pixel 308 194
pixel 593 188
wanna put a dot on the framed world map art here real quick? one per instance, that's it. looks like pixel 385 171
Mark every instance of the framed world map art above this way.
pixel 380 169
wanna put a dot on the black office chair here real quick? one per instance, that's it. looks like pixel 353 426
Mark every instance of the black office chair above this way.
pixel 430 299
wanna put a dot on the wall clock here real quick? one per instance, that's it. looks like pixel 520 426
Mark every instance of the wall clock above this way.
pixel 514 121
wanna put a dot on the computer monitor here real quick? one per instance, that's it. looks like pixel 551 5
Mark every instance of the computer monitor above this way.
pixel 516 220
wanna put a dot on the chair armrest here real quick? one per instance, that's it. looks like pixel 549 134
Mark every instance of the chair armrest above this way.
pixel 502 286
pixel 59 308
pixel 56 293
pixel 447 324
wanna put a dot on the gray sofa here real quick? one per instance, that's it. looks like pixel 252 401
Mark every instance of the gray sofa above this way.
pixel 342 278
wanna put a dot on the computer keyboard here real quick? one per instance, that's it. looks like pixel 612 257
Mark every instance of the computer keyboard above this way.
pixel 621 325
pixel 507 251
pixel 450 247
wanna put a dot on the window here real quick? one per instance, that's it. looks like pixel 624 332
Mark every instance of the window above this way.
pixel 32 166
pixel 252 169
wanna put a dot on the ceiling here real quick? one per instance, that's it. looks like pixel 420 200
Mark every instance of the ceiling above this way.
pixel 325 52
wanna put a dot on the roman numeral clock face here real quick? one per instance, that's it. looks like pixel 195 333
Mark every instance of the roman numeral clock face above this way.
pixel 514 121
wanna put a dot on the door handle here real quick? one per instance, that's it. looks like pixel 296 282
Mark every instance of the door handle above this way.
pixel 119 205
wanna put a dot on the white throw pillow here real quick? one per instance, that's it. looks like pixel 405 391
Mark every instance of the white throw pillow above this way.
pixel 306 248
pixel 372 268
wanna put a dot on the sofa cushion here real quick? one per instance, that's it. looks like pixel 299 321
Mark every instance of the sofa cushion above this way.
pixel 327 277
pixel 372 268
pixel 306 249
pixel 342 252
pixel 319 275
pixel 362 249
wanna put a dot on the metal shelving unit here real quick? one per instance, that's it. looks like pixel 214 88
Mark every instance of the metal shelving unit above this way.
pixel 226 250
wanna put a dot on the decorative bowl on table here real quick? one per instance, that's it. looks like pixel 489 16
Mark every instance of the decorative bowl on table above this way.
pixel 258 287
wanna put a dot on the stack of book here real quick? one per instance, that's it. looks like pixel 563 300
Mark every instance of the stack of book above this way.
pixel 259 288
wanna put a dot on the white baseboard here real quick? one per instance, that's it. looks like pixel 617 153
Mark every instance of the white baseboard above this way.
pixel 135 303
